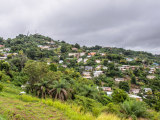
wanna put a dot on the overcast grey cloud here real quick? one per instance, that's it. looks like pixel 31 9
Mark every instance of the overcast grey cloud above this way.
pixel 131 24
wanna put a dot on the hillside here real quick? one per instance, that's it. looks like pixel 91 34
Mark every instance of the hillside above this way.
pixel 24 107
pixel 69 81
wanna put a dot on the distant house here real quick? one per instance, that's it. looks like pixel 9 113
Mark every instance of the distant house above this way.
pixel 85 60
pixel 152 70
pixel 103 54
pixel 106 88
pixel 138 98
pixel 87 75
pixel 129 59
pixel 65 66
pixel 92 53
pixel 119 80
pixel 82 54
pixel 135 91
pixel 74 49
pixel 1 46
pixel 3 58
pixel 79 60
pixel 104 68
pixel 98 61
pixel 109 93
pixel 97 73
pixel 88 68
pixel 7 49
pixel 44 47
pixel 74 55
pixel 61 61
pixel 98 67
pixel 147 90
pixel 151 77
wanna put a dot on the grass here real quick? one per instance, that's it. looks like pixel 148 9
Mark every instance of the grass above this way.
pixel 25 107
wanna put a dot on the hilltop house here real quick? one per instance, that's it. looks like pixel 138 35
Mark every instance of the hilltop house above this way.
pixel 74 49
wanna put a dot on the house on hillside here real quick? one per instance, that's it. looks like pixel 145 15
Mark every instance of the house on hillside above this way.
pixel 146 90
pixel 79 60
pixel 134 91
pixel 117 80
pixel 107 89
pixel 138 98
pixel 82 54
pixel 97 73
pixel 87 75
pixel 88 68
pixel 74 49
pixel 103 54
pixel 151 76
pixel 98 61
pixel 92 53
pixel 1 46
pixel 85 60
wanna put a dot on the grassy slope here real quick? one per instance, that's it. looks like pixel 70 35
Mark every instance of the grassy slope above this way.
pixel 16 107
pixel 13 108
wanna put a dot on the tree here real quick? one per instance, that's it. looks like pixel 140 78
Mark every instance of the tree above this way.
pixel 36 72
pixel 60 90
pixel 133 79
pixel 53 67
pixel 124 86
pixel 119 96
pixel 77 46
pixel 64 49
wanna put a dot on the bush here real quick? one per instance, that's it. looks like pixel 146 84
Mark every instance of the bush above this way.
pixel 134 109
pixel 112 108
pixel 27 98
pixel 119 96
pixel 1 87
pixel 89 104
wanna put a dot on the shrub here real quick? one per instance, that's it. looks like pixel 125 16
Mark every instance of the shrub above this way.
pixel 112 108
pixel 119 96
pixel 27 98
pixel 1 87
pixel 134 109
pixel 89 104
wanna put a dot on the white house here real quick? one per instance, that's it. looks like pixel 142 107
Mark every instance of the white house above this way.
pixel 87 75
pixel 151 77
pixel 135 96
pixel 97 73
pixel 135 91
pixel 119 80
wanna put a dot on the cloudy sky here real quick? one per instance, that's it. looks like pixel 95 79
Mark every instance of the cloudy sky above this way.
pixel 131 24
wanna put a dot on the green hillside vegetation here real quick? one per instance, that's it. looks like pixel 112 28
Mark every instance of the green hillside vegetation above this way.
pixel 45 79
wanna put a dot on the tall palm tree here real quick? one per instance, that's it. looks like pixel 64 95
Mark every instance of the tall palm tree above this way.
pixel 60 90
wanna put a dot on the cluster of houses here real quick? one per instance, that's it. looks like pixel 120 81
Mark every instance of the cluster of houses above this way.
pixel 49 46
pixel 4 52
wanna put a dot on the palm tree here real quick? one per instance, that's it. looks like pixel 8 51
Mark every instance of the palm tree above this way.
pixel 42 89
pixel 60 90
